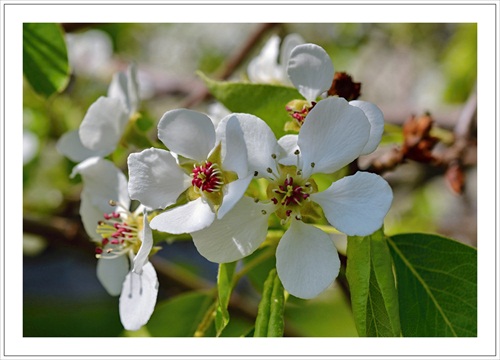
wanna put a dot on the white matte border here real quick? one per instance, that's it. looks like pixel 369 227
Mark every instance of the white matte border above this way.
pixel 15 13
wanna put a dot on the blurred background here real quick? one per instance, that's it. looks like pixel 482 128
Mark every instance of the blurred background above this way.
pixel 406 69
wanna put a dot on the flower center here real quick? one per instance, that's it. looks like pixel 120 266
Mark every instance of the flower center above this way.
pixel 298 110
pixel 291 193
pixel 119 232
pixel 207 177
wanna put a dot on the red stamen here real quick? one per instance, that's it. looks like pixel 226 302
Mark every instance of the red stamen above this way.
pixel 206 177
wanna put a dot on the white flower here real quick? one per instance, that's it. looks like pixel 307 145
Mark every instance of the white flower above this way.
pixel 105 121
pixel 334 134
pixel 124 240
pixel 311 71
pixel 265 67
pixel 211 166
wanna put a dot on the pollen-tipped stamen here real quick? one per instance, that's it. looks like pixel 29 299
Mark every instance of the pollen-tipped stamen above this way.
pixel 207 177
pixel 118 232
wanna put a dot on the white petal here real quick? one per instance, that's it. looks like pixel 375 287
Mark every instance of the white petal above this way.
pixel 306 260
pixel 103 125
pixel 234 192
pixel 69 145
pixel 376 119
pixel 147 244
pixel 124 87
pixel 357 204
pixel 138 298
pixel 289 145
pixel 235 154
pixel 259 139
pixel 188 133
pixel 102 181
pixel 310 69
pixel 289 43
pixel 111 273
pixel 237 235
pixel 91 214
pixel 155 178
pixel 334 134
pixel 193 216
pixel 264 67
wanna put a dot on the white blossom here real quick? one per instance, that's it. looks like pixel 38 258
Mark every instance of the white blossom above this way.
pixel 210 168
pixel 123 240
pixel 311 71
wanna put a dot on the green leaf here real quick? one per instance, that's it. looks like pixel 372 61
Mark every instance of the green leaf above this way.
pixel 224 287
pixel 180 315
pixel 45 58
pixel 373 291
pixel 263 100
pixel 437 285
pixel 269 322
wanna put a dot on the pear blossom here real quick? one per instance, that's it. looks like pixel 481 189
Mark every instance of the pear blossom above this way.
pixel 265 67
pixel 209 169
pixel 311 71
pixel 334 134
pixel 123 239
pixel 105 121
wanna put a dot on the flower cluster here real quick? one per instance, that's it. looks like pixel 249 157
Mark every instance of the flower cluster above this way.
pixel 213 167
pixel 198 184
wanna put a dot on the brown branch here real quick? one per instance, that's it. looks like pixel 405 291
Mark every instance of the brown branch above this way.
pixel 419 143
pixel 59 231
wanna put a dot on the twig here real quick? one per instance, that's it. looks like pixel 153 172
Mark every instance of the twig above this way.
pixel 453 158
